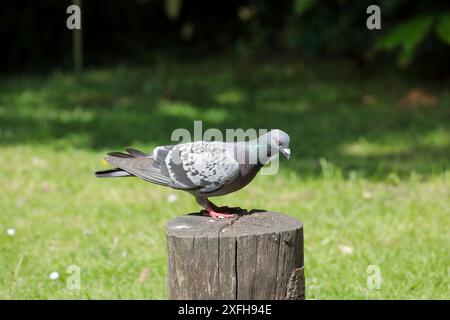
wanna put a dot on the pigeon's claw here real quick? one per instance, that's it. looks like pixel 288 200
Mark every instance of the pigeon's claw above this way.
pixel 220 215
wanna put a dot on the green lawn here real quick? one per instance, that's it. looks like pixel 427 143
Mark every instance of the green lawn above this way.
pixel 370 182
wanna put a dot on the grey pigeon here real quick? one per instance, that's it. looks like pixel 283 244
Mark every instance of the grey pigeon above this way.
pixel 203 168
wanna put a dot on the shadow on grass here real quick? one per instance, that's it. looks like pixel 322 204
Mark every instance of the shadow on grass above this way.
pixel 330 111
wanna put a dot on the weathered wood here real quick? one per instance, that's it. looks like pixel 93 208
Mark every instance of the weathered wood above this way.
pixel 256 256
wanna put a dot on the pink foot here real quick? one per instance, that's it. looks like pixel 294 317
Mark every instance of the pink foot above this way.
pixel 219 215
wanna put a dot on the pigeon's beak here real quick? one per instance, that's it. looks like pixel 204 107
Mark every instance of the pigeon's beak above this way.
pixel 286 152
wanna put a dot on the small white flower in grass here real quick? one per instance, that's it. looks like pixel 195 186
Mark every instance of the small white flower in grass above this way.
pixel 171 198
pixel 10 232
pixel 54 275
pixel 345 249
pixel 366 195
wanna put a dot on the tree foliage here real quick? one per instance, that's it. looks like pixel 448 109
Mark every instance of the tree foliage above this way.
pixel 409 34
pixel 33 33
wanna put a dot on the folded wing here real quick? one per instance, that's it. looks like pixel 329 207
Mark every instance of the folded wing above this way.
pixel 201 166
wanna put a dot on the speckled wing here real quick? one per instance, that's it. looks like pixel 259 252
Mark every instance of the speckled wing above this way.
pixel 201 166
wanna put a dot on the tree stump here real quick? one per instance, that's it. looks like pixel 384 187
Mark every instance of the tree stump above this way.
pixel 258 255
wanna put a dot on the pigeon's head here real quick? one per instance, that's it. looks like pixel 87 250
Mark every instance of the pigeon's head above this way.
pixel 278 141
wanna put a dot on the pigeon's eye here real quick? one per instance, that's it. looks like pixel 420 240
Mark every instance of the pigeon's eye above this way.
pixel 278 141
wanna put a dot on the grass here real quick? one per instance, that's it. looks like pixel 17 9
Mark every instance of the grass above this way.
pixel 370 182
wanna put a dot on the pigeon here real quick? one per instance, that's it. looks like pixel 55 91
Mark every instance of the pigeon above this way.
pixel 203 168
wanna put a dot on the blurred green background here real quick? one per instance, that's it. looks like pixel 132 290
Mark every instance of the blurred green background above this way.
pixel 367 111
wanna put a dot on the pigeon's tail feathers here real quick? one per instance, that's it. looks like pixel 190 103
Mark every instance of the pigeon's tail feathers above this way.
pixel 112 173
pixel 137 153
pixel 142 167
pixel 120 155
